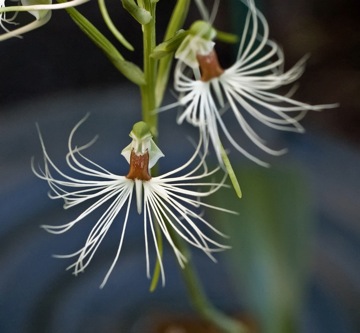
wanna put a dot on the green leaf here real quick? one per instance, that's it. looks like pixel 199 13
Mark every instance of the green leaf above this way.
pixel 112 27
pixel 127 68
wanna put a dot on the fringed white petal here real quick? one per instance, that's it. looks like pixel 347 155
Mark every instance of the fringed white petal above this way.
pixel 171 200
pixel 249 86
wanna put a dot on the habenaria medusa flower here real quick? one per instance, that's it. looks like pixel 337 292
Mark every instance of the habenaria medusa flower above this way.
pixel 207 91
pixel 170 200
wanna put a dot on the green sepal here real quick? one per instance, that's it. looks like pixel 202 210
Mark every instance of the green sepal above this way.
pixel 230 172
pixel 169 46
pixel 227 37
pixel 141 130
pixel 202 29
pixel 139 14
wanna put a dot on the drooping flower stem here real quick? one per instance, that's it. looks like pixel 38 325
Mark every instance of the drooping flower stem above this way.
pixel 197 295
pixel 148 89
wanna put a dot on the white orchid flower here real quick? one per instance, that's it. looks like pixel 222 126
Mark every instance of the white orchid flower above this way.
pixel 207 91
pixel 171 200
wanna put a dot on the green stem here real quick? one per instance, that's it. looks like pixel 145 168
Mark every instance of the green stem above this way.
pixel 149 103
pixel 177 20
pixel 148 89
pixel 197 295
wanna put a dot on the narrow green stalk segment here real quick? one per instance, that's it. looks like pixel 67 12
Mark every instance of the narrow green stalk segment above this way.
pixel 226 37
pixel 157 269
pixel 118 35
pixel 231 172
pixel 150 68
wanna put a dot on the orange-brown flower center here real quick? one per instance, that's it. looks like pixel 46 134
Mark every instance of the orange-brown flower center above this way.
pixel 139 166
pixel 209 66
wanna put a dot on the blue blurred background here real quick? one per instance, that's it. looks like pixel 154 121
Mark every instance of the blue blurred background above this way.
pixel 54 76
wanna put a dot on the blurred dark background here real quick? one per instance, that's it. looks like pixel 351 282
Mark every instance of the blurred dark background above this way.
pixel 330 32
